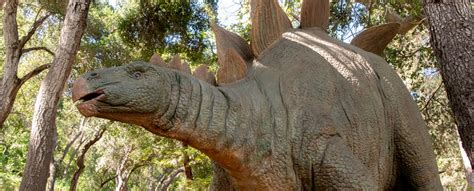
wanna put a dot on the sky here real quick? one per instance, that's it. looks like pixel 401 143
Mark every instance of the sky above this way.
pixel 227 12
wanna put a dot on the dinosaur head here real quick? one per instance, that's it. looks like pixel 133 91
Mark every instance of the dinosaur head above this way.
pixel 132 93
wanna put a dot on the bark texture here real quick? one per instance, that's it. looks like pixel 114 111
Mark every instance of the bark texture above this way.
pixel 40 151
pixel 10 35
pixel 103 183
pixel 451 25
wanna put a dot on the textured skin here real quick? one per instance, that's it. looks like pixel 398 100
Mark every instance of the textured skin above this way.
pixel 312 113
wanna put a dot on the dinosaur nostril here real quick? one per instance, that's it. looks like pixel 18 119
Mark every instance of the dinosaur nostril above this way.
pixel 93 75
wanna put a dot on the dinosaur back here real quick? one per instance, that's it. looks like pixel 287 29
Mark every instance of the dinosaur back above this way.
pixel 330 87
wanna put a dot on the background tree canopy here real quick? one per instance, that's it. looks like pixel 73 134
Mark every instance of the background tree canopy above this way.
pixel 178 27
pixel 136 30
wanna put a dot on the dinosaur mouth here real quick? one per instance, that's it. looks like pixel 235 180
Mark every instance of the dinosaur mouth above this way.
pixel 86 100
pixel 87 103
pixel 96 95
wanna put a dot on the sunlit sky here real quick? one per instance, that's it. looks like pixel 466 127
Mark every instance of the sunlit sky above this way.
pixel 227 12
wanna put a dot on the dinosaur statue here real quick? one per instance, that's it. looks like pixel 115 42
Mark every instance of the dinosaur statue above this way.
pixel 295 110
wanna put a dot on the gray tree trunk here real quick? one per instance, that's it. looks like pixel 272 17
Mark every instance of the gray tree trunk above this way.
pixel 10 83
pixel 167 182
pixel 54 166
pixel 452 38
pixel 12 52
pixel 40 151
pixel 121 178
pixel 52 176
pixel 188 171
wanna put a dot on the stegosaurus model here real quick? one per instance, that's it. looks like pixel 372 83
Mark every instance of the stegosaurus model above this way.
pixel 296 110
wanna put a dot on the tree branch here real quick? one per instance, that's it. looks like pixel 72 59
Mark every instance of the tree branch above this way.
pixel 171 178
pixel 73 155
pixel 102 184
pixel 32 31
pixel 26 50
pixel 431 97
pixel 68 146
pixel 80 160
pixel 138 166
pixel 296 17
pixel 33 73
pixel 162 177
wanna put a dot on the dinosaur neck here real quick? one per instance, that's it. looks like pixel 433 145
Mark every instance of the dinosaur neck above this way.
pixel 216 121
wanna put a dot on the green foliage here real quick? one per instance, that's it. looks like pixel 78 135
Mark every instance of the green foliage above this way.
pixel 13 148
pixel 102 46
pixel 346 19
pixel 14 136
pixel 175 26
pixel 413 58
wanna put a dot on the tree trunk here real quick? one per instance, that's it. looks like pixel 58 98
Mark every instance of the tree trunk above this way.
pixel 451 25
pixel 52 178
pixel 122 175
pixel 82 156
pixel 167 182
pixel 188 171
pixel 40 151
pixel 10 83
pixel 12 58
pixel 122 183
pixel 54 166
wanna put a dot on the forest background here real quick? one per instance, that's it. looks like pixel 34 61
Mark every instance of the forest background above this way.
pixel 108 155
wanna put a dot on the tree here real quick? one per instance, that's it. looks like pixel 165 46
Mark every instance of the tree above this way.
pixel 176 26
pixel 15 48
pixel 56 162
pixel 80 159
pixel 101 46
pixel 43 131
pixel 451 25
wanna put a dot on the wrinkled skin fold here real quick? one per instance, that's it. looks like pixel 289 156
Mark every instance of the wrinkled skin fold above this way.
pixel 312 113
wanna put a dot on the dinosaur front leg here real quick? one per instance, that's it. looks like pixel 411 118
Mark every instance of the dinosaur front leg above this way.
pixel 220 179
pixel 340 169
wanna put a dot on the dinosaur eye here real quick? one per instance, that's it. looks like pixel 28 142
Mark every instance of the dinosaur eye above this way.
pixel 137 75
